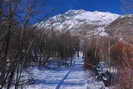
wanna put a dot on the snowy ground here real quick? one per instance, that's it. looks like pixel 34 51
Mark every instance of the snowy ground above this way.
pixel 74 77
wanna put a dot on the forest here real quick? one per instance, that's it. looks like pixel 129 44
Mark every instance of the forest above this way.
pixel 23 45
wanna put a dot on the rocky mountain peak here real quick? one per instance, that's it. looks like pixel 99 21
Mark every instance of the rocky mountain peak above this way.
pixel 80 21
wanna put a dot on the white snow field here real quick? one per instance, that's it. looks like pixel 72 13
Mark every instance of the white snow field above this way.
pixel 78 21
pixel 74 77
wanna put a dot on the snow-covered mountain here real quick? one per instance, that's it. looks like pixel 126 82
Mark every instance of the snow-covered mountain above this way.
pixel 80 22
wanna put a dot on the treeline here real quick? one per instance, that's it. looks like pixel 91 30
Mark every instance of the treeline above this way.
pixel 117 54
pixel 98 49
pixel 55 44
pixel 22 45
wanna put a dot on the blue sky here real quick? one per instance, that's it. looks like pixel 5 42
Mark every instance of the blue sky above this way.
pixel 48 8
pixel 61 6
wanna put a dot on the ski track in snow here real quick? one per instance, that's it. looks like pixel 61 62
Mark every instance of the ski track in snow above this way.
pixel 74 77
pixel 62 81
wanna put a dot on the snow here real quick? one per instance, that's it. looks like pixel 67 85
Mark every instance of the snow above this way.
pixel 77 16
pixel 98 17
pixel 127 15
pixel 49 79
pixel 75 20
pixel 101 31
pixel 103 34
pixel 74 77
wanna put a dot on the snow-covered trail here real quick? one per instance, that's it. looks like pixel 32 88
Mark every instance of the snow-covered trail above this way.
pixel 62 78
pixel 74 77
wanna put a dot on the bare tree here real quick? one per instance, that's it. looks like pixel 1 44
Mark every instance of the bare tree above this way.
pixel 15 50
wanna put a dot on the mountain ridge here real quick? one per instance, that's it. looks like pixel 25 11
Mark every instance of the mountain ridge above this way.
pixel 80 22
